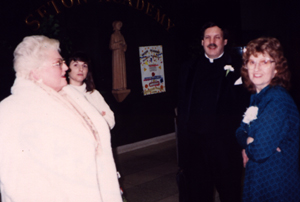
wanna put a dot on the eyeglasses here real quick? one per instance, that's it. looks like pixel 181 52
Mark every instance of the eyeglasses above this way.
pixel 59 63
pixel 264 64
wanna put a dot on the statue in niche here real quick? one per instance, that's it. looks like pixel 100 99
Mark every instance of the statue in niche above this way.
pixel 118 47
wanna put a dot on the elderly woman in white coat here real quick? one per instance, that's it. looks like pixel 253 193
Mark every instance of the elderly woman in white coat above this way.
pixel 81 83
pixel 50 148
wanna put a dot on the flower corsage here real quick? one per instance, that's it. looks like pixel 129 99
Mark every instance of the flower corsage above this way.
pixel 250 114
pixel 228 69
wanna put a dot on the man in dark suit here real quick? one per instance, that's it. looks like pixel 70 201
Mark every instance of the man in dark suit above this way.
pixel 210 108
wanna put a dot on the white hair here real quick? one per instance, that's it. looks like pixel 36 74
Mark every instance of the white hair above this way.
pixel 31 53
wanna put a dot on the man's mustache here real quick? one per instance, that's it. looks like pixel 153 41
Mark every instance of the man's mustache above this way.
pixel 212 45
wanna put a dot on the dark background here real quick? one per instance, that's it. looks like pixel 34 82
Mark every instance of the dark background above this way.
pixel 88 27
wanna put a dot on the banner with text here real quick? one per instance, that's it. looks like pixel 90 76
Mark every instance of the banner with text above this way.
pixel 152 69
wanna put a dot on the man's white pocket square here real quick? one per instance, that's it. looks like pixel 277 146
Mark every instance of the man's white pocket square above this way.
pixel 238 82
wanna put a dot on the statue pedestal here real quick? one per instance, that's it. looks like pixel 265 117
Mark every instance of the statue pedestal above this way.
pixel 120 95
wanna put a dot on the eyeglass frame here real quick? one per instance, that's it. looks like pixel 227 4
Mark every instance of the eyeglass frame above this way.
pixel 266 62
pixel 59 63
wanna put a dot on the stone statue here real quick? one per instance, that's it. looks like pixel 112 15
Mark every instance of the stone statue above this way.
pixel 118 47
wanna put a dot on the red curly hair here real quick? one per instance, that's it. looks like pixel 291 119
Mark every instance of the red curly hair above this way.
pixel 272 47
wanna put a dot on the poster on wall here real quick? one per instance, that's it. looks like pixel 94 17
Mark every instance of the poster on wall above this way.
pixel 152 69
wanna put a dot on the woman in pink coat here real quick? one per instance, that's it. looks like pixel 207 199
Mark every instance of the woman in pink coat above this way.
pixel 51 147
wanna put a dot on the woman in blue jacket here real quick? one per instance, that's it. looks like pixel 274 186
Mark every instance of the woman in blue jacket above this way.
pixel 269 132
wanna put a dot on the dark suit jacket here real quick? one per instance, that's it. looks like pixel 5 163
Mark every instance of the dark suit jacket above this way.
pixel 230 103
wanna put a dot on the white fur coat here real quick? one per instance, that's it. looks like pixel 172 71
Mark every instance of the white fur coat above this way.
pixel 48 154
pixel 96 99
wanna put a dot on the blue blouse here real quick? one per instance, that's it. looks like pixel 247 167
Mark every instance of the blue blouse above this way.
pixel 270 175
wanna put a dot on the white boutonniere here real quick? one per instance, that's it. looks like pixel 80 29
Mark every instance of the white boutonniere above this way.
pixel 250 114
pixel 229 68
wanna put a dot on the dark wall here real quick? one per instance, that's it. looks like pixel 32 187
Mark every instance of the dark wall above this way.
pixel 280 19
pixel 88 27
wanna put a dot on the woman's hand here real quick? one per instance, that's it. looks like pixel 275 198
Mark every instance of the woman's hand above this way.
pixel 245 157
pixel 249 140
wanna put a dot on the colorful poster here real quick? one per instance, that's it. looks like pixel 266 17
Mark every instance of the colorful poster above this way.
pixel 152 69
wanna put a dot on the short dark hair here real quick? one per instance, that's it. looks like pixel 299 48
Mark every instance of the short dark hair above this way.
pixel 81 56
pixel 213 24
pixel 272 47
